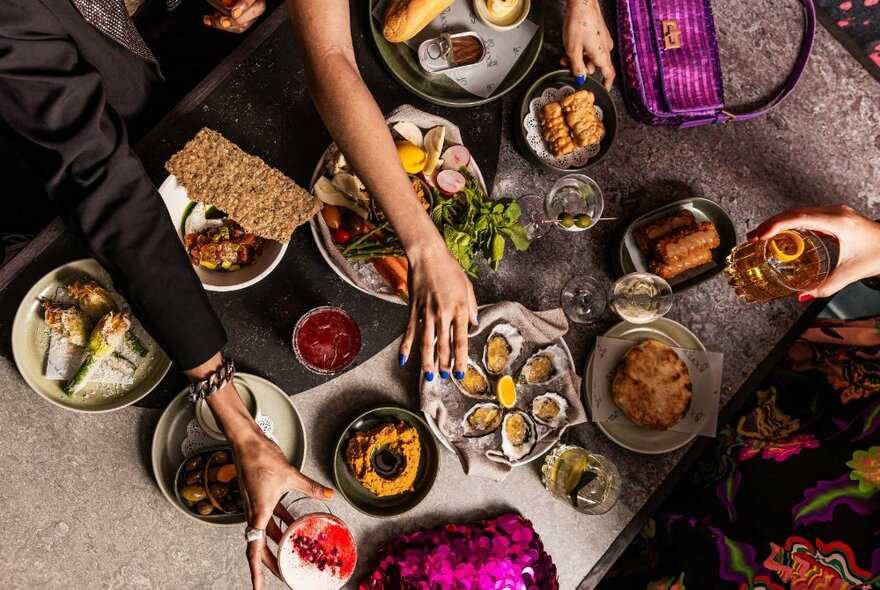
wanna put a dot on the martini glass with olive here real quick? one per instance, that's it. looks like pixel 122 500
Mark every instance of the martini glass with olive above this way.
pixel 574 203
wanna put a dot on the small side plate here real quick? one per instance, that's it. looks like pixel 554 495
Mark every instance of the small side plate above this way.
pixel 629 436
pixel 172 429
pixel 628 258
pixel 361 498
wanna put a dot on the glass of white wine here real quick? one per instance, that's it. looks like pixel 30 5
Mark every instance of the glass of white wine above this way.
pixel 588 482
pixel 640 297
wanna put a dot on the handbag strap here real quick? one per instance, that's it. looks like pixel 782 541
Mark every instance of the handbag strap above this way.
pixel 725 116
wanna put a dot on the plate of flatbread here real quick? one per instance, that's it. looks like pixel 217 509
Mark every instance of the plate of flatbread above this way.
pixel 653 405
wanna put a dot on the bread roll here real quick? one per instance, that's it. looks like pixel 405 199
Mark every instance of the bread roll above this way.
pixel 405 18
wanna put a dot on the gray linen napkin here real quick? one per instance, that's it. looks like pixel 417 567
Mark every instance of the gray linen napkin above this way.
pixel 445 403
pixel 362 274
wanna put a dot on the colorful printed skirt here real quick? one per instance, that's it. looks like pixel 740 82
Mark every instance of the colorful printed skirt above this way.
pixel 788 497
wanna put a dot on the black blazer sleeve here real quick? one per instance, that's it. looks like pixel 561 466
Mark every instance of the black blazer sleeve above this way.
pixel 54 107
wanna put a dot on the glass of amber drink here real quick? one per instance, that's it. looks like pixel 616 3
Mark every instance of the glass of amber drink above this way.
pixel 790 262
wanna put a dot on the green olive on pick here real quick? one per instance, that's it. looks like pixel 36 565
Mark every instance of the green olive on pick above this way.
pixel 566 220
pixel 583 221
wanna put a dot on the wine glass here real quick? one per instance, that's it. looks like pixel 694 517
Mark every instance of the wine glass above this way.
pixel 637 297
pixel 583 299
pixel 532 216
pixel 641 297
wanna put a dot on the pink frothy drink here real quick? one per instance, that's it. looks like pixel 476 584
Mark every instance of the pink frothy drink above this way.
pixel 317 552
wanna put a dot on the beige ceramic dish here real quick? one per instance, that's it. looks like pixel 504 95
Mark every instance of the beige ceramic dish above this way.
pixel 171 431
pixel 482 10
pixel 30 341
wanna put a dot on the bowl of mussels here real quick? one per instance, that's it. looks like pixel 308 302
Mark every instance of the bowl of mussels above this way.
pixel 206 486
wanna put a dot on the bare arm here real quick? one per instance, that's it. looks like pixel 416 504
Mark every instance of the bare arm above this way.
pixel 442 296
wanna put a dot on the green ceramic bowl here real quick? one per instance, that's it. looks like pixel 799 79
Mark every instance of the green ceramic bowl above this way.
pixel 558 79
pixel 402 62
pixel 361 498
pixel 627 258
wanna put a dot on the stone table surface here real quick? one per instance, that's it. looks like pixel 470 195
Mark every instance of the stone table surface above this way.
pixel 82 509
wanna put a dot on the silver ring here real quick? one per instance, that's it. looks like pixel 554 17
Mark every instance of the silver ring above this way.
pixel 252 534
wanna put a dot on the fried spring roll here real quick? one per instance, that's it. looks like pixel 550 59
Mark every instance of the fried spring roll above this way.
pixel 684 242
pixel 679 265
pixel 648 235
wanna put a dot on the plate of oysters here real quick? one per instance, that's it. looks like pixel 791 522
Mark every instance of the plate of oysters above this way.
pixel 516 398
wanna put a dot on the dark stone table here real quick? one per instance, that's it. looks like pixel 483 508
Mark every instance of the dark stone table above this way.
pixel 820 147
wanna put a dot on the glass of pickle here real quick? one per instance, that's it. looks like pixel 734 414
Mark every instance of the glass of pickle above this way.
pixel 575 203
pixel 588 482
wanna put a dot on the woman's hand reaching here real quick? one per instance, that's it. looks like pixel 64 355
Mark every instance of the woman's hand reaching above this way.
pixel 442 297
pixel 857 236
pixel 588 43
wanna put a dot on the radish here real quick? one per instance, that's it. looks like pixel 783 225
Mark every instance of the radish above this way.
pixel 429 179
pixel 450 182
pixel 456 157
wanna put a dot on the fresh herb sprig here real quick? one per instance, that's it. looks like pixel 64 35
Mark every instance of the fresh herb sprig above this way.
pixel 472 223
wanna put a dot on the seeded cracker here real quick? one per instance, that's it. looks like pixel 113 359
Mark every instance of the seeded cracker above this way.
pixel 265 202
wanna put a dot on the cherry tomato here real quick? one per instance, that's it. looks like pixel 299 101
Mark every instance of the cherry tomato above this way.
pixel 332 216
pixel 341 236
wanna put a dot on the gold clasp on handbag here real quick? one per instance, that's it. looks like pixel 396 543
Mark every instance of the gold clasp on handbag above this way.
pixel 671 34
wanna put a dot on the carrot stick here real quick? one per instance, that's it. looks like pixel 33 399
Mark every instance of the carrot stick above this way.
pixel 394 271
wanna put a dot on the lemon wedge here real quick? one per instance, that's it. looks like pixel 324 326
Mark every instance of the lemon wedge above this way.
pixel 411 156
pixel 505 391
pixel 786 246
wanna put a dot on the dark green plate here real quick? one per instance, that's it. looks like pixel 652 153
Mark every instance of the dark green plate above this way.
pixel 361 498
pixel 626 255
pixel 403 63
pixel 558 79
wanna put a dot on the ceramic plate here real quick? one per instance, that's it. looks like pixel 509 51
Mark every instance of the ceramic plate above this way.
pixel 179 206
pixel 402 61
pixel 175 426
pixel 318 226
pixel 361 498
pixel 628 258
pixel 30 340
pixel 554 85
pixel 641 440
pixel 541 447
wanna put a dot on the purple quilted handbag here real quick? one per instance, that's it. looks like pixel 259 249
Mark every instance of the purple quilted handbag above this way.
pixel 670 67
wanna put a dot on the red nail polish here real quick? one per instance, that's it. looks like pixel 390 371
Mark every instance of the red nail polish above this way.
pixel 804 298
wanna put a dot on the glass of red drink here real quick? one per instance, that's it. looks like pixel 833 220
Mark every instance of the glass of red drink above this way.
pixel 326 340
pixel 317 550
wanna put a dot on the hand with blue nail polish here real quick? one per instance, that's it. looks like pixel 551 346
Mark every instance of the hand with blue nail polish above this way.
pixel 588 43
pixel 442 302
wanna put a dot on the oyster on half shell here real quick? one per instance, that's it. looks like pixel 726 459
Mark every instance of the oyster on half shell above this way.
pixel 549 409
pixel 518 435
pixel 544 366
pixel 482 419
pixel 503 346
pixel 475 384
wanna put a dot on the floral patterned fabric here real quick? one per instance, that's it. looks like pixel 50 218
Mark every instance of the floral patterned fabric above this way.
pixel 787 497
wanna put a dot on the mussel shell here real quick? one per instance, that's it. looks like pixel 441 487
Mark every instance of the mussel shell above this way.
pixel 463 385
pixel 518 435
pixel 557 358
pixel 514 341
pixel 472 430
pixel 558 418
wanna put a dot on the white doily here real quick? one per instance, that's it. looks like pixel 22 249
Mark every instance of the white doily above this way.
pixel 198 440
pixel 532 123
